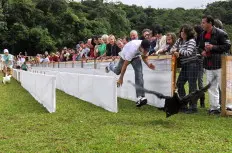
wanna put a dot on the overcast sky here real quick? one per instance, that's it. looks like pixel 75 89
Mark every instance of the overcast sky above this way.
pixel 187 4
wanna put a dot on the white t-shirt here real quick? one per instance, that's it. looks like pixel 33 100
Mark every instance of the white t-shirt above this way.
pixel 160 43
pixel 8 60
pixel 19 63
pixel 23 60
pixel 130 50
pixel 85 52
pixel 46 60
pixel 41 60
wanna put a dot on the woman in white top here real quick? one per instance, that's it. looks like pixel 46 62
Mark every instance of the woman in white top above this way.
pixel 160 39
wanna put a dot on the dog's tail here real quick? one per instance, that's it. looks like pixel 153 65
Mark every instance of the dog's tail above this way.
pixel 159 95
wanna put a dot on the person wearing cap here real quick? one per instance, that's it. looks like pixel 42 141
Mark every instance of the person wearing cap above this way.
pixel 7 61
pixel 131 54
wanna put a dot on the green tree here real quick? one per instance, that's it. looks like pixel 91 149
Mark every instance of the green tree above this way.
pixel 39 25
pixel 18 37
pixel 40 41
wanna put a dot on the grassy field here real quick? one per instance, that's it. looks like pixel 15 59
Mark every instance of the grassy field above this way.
pixel 77 126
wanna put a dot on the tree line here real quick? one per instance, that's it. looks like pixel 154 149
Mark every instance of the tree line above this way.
pixel 36 26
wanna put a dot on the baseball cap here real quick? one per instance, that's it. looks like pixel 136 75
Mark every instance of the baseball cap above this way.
pixel 6 51
pixel 145 44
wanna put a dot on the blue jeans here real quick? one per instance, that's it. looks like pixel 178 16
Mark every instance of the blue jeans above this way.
pixel 189 72
pixel 138 69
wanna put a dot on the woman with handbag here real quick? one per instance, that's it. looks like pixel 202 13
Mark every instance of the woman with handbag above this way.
pixel 185 49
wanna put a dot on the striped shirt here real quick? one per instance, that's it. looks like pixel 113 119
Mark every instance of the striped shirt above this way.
pixel 187 50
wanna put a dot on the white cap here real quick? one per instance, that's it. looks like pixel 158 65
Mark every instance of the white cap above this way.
pixel 6 51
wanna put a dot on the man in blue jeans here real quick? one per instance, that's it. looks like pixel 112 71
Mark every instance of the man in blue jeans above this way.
pixel 132 53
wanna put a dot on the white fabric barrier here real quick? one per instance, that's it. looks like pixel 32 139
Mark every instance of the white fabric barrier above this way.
pixel 159 80
pixel 15 74
pixel 41 87
pixel 18 76
pixel 98 90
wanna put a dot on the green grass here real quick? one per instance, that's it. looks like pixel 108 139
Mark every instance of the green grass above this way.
pixel 77 126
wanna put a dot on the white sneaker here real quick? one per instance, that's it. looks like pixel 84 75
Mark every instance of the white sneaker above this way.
pixel 141 101
pixel 107 68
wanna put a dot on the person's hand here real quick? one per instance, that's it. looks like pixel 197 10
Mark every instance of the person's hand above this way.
pixel 153 54
pixel 159 52
pixel 151 66
pixel 119 82
pixel 177 54
pixel 203 53
pixel 173 50
pixel 208 47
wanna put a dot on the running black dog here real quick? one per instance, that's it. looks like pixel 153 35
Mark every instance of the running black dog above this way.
pixel 173 104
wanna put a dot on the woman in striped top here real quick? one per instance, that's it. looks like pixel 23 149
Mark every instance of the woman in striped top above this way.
pixel 185 49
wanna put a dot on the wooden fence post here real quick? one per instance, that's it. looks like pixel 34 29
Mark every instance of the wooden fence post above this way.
pixel 223 86
pixel 174 67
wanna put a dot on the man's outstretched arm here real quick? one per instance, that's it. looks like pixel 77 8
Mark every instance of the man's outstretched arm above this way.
pixel 123 70
pixel 150 65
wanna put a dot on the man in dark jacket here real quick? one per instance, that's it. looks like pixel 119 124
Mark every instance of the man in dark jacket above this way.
pixel 213 43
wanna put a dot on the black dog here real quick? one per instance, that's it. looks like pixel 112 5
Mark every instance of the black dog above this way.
pixel 174 103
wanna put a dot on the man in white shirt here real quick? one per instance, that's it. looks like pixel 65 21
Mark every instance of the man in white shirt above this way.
pixel 131 54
